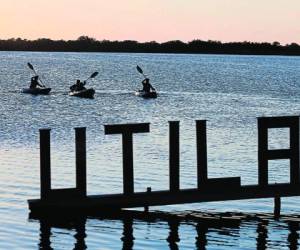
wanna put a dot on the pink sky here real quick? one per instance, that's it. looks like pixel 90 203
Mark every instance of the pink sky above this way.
pixel 147 20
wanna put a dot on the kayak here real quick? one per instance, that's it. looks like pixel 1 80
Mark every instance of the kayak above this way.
pixel 36 91
pixel 144 94
pixel 86 93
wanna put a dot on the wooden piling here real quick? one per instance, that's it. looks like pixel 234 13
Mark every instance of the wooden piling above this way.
pixel 294 151
pixel 277 206
pixel 174 155
pixel 45 164
pixel 80 147
pixel 265 154
pixel 201 153
pixel 127 131
pixel 128 179
pixel 146 208
pixel 262 153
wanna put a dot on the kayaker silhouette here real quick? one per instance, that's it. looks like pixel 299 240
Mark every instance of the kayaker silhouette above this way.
pixel 147 86
pixel 35 82
pixel 78 86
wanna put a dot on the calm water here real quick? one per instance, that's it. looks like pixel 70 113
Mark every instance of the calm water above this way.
pixel 228 91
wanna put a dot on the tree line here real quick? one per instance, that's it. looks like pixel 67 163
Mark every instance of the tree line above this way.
pixel 88 44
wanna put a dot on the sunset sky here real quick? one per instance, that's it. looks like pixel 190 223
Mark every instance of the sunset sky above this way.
pixel 147 20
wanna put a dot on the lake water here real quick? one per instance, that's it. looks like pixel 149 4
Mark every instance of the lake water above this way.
pixel 230 92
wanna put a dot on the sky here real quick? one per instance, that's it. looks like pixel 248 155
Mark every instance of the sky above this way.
pixel 152 20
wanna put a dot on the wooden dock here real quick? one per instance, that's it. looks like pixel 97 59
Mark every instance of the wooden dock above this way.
pixel 76 200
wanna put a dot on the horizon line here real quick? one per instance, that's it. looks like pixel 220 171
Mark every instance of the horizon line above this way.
pixel 150 41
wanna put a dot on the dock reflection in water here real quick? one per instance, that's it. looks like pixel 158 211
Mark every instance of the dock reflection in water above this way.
pixel 205 234
pixel 77 224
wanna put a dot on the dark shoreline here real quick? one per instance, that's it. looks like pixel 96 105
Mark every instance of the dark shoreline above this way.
pixel 86 44
pixel 161 53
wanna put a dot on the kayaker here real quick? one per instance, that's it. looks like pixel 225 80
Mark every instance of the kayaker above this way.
pixel 78 86
pixel 147 86
pixel 35 82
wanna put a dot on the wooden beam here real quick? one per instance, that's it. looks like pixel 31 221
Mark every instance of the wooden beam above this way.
pixel 265 154
pixel 174 158
pixel 45 164
pixel 127 131
pixel 97 203
pixel 201 153
pixel 80 146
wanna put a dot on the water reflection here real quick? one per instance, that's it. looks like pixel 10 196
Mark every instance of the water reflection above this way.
pixel 203 230
pixel 173 237
pixel 128 239
pixel 293 235
pixel 262 235
pixel 201 239
pixel 77 224
pixel 45 234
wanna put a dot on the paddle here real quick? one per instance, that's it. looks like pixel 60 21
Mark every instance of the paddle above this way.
pixel 32 68
pixel 92 76
pixel 140 70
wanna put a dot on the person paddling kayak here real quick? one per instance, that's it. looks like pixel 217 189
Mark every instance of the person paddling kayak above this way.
pixel 79 90
pixel 35 82
pixel 78 86
pixel 147 85
pixel 148 90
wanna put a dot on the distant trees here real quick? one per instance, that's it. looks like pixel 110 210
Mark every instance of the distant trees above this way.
pixel 88 44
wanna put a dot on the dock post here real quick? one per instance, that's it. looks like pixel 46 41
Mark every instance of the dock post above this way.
pixel 127 131
pixel 45 164
pixel 265 154
pixel 277 206
pixel 146 208
pixel 80 147
pixel 294 147
pixel 174 155
pixel 128 163
pixel 201 142
pixel 262 153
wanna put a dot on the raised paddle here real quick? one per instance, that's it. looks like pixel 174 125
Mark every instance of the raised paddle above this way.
pixel 32 68
pixel 140 70
pixel 92 76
